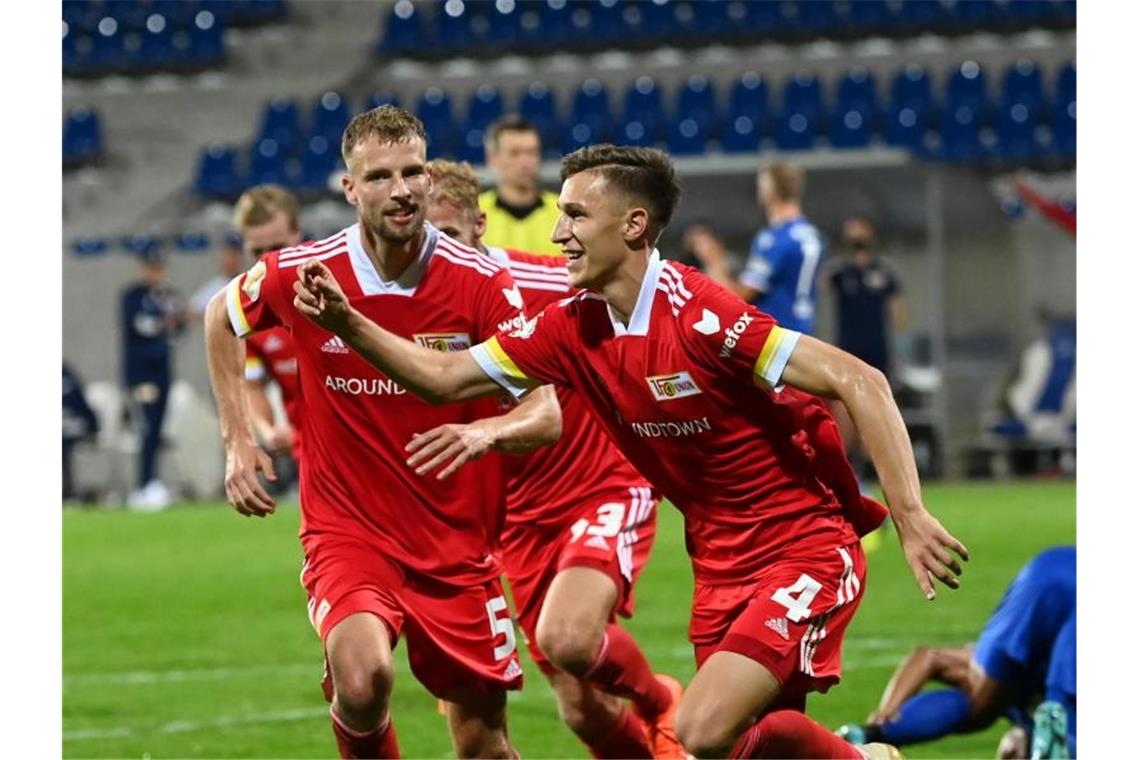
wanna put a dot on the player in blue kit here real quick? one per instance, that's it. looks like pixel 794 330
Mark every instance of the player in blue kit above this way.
pixel 1024 663
pixel 780 275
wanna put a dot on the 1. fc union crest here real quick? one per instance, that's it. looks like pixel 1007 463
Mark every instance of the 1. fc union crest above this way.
pixel 676 385
pixel 444 341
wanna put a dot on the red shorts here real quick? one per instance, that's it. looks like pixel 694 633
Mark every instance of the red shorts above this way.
pixel 790 619
pixel 457 636
pixel 611 533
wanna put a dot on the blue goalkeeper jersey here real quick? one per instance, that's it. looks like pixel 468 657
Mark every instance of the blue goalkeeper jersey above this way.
pixel 782 266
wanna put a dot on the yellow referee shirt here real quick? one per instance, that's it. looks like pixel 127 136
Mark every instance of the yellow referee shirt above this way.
pixel 521 229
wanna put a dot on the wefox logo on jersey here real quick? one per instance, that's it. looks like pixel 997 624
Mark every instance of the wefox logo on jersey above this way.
pixel 514 323
pixel 732 334
pixel 444 341
pixel 677 385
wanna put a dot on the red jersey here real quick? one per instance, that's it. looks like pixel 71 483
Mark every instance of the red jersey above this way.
pixel 542 487
pixel 270 354
pixel 357 421
pixel 759 472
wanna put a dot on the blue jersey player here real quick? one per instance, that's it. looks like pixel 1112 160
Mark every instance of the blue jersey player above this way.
pixel 1023 666
pixel 779 277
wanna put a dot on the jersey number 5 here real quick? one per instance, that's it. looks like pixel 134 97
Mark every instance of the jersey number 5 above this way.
pixel 501 625
pixel 797 597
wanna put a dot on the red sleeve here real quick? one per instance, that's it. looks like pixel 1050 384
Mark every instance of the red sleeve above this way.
pixel 734 338
pixel 498 306
pixel 531 355
pixel 255 299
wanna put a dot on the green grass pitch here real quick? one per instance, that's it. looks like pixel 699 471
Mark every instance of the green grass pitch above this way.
pixel 185 632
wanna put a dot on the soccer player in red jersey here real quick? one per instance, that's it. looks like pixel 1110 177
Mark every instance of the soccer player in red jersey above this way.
pixel 387 553
pixel 719 407
pixel 579 527
pixel 266 218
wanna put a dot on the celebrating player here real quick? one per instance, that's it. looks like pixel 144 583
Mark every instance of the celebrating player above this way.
pixel 387 552
pixel 1026 650
pixel 266 218
pixel 579 527
pixel 669 362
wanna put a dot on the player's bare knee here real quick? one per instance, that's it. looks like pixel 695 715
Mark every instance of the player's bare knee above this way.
pixel 704 733
pixel 482 743
pixel 362 691
pixel 572 649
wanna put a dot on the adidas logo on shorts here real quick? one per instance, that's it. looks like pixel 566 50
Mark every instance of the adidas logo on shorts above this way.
pixel 780 626
pixel 513 670
pixel 335 345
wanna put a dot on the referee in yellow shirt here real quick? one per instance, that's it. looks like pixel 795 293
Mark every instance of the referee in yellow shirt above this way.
pixel 520 214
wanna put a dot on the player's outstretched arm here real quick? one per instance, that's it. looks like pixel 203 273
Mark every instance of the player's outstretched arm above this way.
pixel 244 458
pixel 436 376
pixel 948 665
pixel 822 369
pixel 534 423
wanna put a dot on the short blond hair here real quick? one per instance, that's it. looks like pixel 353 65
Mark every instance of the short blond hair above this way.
pixel 387 123
pixel 787 180
pixel 261 203
pixel 454 182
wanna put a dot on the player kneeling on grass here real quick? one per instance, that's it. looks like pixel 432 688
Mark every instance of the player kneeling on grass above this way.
pixel 579 526
pixel 718 406
pixel 1026 651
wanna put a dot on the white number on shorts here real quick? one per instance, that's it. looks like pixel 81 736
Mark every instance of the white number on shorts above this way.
pixel 610 518
pixel 797 597
pixel 501 625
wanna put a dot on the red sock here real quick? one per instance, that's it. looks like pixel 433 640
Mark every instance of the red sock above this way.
pixel 356 744
pixel 625 739
pixel 791 734
pixel 620 668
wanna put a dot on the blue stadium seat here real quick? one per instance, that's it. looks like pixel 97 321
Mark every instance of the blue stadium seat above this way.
pixel 381 98
pixel 280 122
pixel 607 26
pixel 697 100
pixel 966 86
pixel 857 92
pixel 635 133
pixel 905 128
pixel 555 23
pixel 591 107
pixel 318 161
pixel 579 134
pixel 814 18
pixel 502 25
pixel 850 129
pixel 802 115
pixel 1022 84
pixel 139 244
pixel 531 36
pixel 687 138
pixel 434 110
pixel 537 105
pixel 217 173
pixel 869 17
pixel 1064 126
pixel 192 242
pixel 1029 12
pixel 403 31
pixel 741 134
pixel 90 246
pixel 267 163
pixel 82 135
pixel 978 14
pixel 696 20
pixel 643 104
pixel 1016 132
pixel 330 117
pixel 922 16
pixel 157 45
pixel 108 54
pixel 452 28
pixel 207 45
pixel 1065 86
pixel 485 106
pixel 767 19
pixel 961 135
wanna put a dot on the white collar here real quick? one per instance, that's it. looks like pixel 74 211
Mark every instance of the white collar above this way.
pixel 496 254
pixel 639 320
pixel 371 284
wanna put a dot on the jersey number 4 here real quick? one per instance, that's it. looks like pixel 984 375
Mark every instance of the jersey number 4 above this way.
pixel 797 597
pixel 501 625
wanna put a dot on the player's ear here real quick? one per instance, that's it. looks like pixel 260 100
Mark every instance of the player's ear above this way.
pixel 636 224
pixel 480 223
pixel 349 188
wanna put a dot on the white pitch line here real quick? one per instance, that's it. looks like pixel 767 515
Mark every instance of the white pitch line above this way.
pixel 184 726
pixel 137 677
